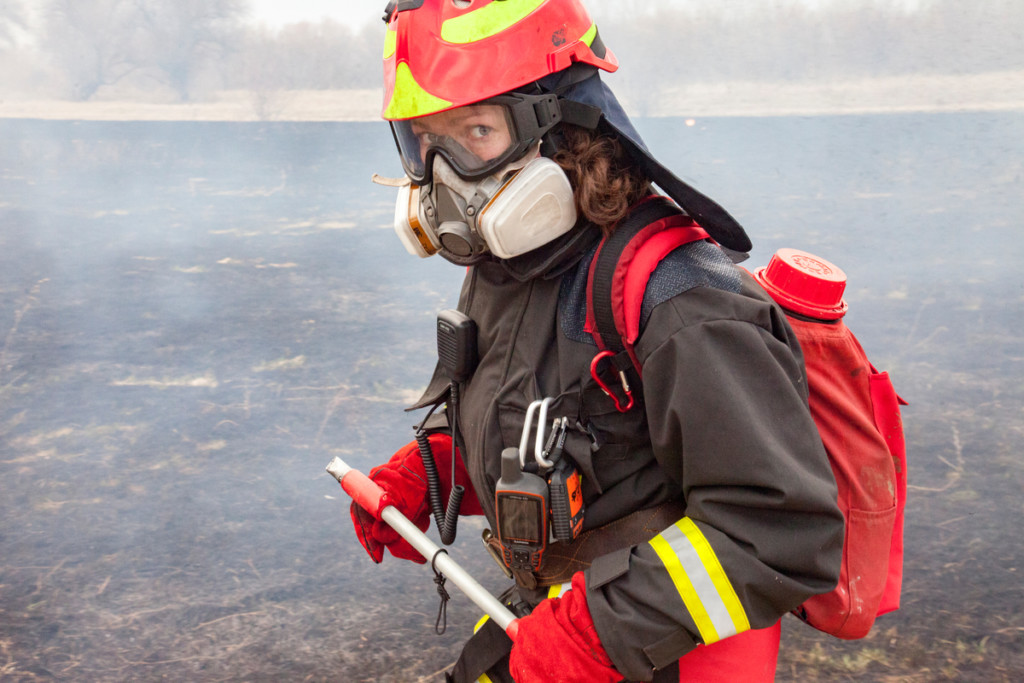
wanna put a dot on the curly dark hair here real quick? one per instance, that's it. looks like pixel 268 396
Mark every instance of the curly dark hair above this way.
pixel 605 181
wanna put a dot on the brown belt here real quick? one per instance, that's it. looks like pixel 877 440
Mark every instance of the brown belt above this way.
pixel 562 560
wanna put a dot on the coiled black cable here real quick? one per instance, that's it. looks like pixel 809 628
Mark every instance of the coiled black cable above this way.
pixel 445 517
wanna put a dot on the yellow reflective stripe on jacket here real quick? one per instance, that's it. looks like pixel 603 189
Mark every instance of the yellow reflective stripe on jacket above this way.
pixel 701 581
pixel 489 20
pixel 390 42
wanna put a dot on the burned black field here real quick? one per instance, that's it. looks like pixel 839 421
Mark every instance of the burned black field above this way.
pixel 195 318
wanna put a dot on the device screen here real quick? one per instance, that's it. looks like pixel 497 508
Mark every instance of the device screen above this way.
pixel 521 518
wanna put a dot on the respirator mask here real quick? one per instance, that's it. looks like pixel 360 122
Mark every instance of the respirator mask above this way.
pixel 476 183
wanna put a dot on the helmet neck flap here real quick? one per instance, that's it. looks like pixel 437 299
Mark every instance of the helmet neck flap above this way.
pixel 591 91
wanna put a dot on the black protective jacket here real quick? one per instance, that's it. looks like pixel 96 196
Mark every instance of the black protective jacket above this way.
pixel 722 426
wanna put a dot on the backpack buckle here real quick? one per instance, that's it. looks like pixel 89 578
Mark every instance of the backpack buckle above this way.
pixel 595 372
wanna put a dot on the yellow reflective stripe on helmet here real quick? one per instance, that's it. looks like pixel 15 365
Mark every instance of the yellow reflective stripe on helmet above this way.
pixel 409 100
pixel 701 581
pixel 390 42
pixel 489 20
pixel 484 678
pixel 589 36
pixel 557 590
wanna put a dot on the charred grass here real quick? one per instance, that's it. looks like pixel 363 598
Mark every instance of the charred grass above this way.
pixel 180 360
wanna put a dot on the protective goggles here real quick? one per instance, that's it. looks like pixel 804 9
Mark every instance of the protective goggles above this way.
pixel 476 139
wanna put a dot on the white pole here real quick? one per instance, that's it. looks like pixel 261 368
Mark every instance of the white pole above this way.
pixel 367 494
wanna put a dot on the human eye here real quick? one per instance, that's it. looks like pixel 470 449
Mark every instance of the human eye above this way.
pixel 419 131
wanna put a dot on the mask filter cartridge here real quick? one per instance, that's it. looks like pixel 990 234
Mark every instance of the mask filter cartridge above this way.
pixel 411 226
pixel 533 208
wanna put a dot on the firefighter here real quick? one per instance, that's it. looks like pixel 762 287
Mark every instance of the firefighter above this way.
pixel 709 508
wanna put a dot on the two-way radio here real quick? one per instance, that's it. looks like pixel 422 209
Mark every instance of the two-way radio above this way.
pixel 457 359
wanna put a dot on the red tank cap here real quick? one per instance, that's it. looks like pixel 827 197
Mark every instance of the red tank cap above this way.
pixel 805 284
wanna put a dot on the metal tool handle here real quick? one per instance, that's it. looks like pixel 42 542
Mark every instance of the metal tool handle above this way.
pixel 367 494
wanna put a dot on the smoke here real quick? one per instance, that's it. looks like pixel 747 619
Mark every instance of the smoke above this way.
pixel 196 317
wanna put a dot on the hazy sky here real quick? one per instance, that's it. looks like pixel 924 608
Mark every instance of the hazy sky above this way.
pixel 360 12
pixel 353 12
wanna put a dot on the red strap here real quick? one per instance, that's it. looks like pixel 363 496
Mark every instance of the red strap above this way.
pixel 636 264
pixel 648 212
pixel 616 281
pixel 641 264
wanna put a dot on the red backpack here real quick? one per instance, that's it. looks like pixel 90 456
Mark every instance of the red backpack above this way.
pixel 853 405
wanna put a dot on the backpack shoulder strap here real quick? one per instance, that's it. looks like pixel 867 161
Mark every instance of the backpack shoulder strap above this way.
pixel 622 267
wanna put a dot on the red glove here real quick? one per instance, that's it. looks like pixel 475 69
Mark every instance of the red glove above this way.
pixel 405 487
pixel 558 642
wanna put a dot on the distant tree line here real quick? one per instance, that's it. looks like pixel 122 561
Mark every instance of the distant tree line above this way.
pixel 787 40
pixel 185 49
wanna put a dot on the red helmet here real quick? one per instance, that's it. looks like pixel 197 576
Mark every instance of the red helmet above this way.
pixel 441 54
